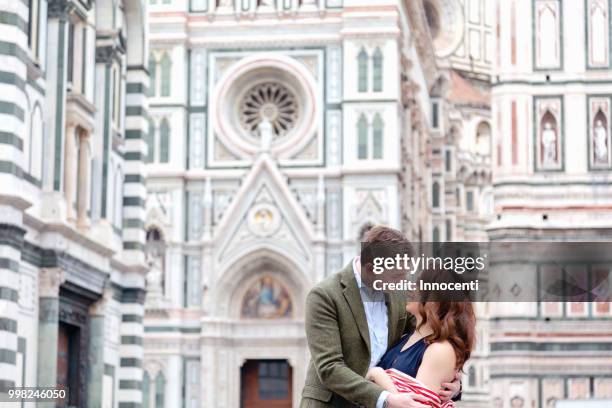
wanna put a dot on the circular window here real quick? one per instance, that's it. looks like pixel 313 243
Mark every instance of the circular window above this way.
pixel 269 96
pixel 273 102
pixel 446 25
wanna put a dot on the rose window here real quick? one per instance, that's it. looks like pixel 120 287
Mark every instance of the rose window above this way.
pixel 271 101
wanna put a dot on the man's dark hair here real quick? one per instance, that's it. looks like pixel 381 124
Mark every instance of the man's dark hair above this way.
pixel 382 241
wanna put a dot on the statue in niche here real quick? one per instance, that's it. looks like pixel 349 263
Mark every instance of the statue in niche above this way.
pixel 155 258
pixel 266 132
pixel 600 142
pixel 266 299
pixel 549 145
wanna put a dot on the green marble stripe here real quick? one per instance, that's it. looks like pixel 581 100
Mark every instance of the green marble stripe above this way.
pixel 10 264
pixel 136 88
pixel 59 101
pixel 135 111
pixel 14 20
pixel 11 139
pixel 131 318
pixel 106 138
pixel 8 325
pixel 5 385
pixel 130 405
pixel 9 294
pixel 11 108
pixel 131 362
pixel 131 340
pixel 13 50
pixel 133 134
pixel 130 385
pixel 32 82
pixel 133 201
pixel 11 78
pixel 11 168
pixel 8 356
pixel 134 156
pixel 134 178
pixel 133 246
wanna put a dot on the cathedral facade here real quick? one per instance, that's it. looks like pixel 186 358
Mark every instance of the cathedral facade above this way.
pixel 73 110
pixel 278 131
pixel 177 174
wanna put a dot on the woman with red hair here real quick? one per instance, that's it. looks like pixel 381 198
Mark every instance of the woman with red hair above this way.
pixel 432 354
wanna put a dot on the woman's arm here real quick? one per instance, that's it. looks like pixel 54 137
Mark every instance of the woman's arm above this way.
pixel 378 376
pixel 438 366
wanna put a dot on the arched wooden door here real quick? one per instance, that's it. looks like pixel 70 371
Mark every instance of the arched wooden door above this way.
pixel 266 384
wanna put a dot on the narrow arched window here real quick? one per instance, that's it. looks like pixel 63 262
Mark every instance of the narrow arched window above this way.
pixel 118 216
pixel 362 66
pixel 37 144
pixel 165 67
pixel 472 376
pixel 160 385
pixel 152 75
pixel 150 141
pixel 377 137
pixel 164 141
pixel 377 71
pixel 362 138
pixel 435 236
pixel 435 194
pixel 145 389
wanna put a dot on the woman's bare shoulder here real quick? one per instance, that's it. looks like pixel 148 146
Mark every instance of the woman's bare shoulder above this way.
pixel 440 354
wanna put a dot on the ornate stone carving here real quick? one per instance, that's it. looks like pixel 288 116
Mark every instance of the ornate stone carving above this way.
pixel 49 281
pixel 272 102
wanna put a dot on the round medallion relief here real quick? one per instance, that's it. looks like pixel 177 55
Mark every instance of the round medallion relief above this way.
pixel 263 220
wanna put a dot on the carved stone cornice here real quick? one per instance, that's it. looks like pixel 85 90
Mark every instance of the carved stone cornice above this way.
pixel 62 8
pixel 59 8
pixel 106 54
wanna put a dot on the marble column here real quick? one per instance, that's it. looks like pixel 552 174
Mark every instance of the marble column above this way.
pixel 83 178
pixel 95 367
pixel 50 280
pixel 70 161
pixel 131 349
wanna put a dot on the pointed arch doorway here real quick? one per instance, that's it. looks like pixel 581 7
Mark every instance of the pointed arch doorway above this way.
pixel 266 384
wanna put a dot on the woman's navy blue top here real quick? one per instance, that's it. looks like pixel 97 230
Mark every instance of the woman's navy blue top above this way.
pixel 407 361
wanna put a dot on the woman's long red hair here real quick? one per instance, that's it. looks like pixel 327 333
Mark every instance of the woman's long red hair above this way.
pixel 451 320
pixel 454 322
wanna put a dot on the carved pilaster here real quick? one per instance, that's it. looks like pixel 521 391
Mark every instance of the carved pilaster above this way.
pixel 49 282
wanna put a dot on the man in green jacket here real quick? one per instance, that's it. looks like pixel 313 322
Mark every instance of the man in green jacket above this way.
pixel 348 330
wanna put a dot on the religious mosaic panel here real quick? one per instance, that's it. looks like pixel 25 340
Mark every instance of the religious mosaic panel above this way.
pixel 267 298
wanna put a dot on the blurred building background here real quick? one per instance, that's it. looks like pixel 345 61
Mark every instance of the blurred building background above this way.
pixel 233 151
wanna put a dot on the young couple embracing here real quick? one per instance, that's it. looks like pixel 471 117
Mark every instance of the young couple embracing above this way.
pixel 380 350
